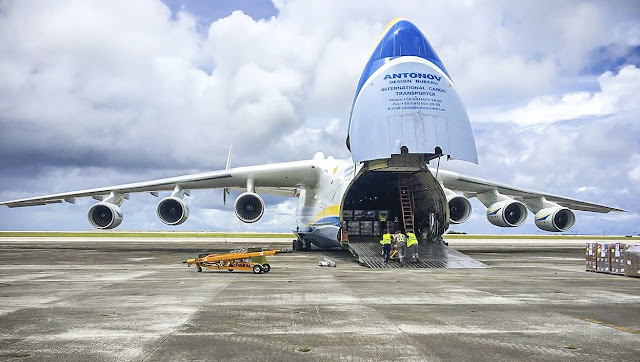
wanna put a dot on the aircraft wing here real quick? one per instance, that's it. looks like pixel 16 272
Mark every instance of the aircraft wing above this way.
pixel 471 186
pixel 282 179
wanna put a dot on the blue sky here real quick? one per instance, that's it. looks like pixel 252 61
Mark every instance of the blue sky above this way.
pixel 102 93
pixel 207 12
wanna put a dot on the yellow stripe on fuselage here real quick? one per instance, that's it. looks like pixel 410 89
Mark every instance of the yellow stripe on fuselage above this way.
pixel 329 211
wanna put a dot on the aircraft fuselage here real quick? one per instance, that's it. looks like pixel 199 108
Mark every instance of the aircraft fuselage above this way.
pixel 364 199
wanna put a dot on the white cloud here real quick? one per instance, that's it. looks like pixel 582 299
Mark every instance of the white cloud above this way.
pixel 104 93
pixel 277 218
pixel 634 173
pixel 586 189
pixel 618 93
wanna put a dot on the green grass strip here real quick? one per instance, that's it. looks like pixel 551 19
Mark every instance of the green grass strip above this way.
pixel 553 236
pixel 141 234
pixel 195 234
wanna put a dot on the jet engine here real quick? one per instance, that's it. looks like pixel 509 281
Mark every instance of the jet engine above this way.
pixel 459 209
pixel 249 207
pixel 555 219
pixel 105 215
pixel 507 213
pixel 173 211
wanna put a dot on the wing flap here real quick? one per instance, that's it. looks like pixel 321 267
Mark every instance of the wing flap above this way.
pixel 190 181
pixel 33 203
pixel 472 186
pixel 278 179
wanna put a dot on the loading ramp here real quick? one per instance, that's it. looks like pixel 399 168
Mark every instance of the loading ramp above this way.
pixel 367 252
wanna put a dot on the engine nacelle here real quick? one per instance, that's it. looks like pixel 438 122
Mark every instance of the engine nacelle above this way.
pixel 173 211
pixel 249 207
pixel 507 213
pixel 555 219
pixel 459 209
pixel 105 215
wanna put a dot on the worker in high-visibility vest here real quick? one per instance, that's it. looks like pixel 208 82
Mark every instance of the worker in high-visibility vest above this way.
pixel 412 244
pixel 386 246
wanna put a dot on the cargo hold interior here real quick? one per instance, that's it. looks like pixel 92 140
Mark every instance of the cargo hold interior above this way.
pixel 373 202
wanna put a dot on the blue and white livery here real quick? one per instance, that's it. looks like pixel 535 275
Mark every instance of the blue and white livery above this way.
pixel 406 97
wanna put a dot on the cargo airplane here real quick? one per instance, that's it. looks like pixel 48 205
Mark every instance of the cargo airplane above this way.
pixel 406 112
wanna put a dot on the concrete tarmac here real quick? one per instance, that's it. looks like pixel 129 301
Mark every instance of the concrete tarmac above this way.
pixel 103 299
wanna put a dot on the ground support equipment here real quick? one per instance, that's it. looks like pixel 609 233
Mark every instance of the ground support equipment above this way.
pixel 251 259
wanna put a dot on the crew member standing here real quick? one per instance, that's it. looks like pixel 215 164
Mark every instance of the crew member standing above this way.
pixel 412 244
pixel 386 246
pixel 401 241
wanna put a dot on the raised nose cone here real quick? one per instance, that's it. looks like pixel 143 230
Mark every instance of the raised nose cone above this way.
pixel 406 102
pixel 400 38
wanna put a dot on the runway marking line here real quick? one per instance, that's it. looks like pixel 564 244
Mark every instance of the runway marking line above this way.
pixel 620 328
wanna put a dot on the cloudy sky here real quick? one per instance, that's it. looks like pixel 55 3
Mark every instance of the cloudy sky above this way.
pixel 96 93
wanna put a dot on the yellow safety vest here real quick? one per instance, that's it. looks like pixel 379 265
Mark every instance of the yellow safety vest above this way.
pixel 386 239
pixel 412 239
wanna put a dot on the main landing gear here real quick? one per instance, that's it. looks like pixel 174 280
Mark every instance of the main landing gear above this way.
pixel 299 245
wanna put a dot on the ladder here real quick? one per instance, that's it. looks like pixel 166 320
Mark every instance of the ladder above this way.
pixel 406 205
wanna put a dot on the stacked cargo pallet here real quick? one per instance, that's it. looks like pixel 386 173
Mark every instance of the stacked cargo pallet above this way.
pixel 613 258
pixel 366 222
pixel 603 258
pixel 616 255
pixel 591 256
pixel 632 261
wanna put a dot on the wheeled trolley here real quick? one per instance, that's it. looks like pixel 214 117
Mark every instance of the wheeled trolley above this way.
pixel 252 259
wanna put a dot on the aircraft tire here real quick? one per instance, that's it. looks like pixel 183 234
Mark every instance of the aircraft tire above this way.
pixel 297 245
pixel 199 269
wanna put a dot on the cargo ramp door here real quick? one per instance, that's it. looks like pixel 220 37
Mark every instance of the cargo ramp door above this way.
pixel 367 252
pixel 393 194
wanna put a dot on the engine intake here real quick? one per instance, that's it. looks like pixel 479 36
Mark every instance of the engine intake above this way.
pixel 172 211
pixel 459 209
pixel 104 215
pixel 507 213
pixel 249 207
pixel 555 219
